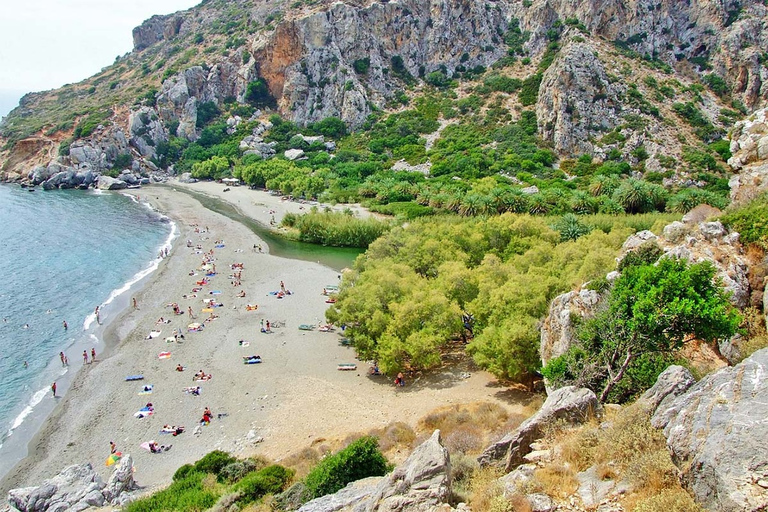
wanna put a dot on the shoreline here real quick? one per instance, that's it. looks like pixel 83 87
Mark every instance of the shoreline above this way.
pixel 295 396
pixel 35 414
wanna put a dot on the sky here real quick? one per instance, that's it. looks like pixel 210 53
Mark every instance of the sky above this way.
pixel 45 44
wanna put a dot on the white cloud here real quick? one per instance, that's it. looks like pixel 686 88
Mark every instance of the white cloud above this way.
pixel 45 44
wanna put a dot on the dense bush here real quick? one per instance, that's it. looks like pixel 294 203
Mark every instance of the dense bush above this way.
pixel 336 229
pixel 214 462
pixel 269 480
pixel 360 459
pixel 646 254
pixel 185 493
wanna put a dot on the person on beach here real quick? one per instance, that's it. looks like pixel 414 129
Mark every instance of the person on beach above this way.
pixel 135 305
pixel 85 357
pixel 53 389
pixel 189 310
pixel 112 447
pixel 64 323
pixel 61 356
pixel 98 316
pixel 400 380
pixel 93 355
pixel 282 286
pixel 179 368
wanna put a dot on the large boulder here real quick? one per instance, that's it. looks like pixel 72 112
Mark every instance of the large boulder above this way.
pixel 557 330
pixel 353 494
pixel 716 435
pixel 749 147
pixel 109 183
pixel 121 481
pixel 76 488
pixel 568 404
pixel 673 382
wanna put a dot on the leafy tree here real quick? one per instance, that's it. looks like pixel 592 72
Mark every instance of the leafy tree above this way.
pixel 213 168
pixel 652 309
pixel 257 94
pixel 206 112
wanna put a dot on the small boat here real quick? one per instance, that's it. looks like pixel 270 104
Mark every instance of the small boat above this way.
pixel 251 360
pixel 346 367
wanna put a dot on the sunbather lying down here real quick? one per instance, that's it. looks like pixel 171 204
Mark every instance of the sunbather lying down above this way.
pixel 168 429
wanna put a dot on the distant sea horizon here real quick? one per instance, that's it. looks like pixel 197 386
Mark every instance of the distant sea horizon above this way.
pixel 65 252
pixel 9 100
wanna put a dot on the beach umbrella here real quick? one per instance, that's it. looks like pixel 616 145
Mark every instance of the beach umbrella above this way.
pixel 164 355
pixel 113 458
pixel 145 445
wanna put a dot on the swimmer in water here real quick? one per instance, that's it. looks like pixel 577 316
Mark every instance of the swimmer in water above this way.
pixel 25 326
pixel 26 365
pixel 49 312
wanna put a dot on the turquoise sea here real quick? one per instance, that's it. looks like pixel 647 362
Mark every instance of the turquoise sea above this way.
pixel 62 253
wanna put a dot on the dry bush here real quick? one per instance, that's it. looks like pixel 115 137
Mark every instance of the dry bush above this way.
pixel 484 415
pixel 225 502
pixel 515 503
pixel 514 420
pixel 556 481
pixel 577 446
pixel 209 482
pixel 653 471
pixel 755 332
pixel 266 504
pixel 462 468
pixel 629 435
pixel 394 436
pixel 668 500
pixel 465 439
pixel 302 461
pixel 485 487
pixel 605 471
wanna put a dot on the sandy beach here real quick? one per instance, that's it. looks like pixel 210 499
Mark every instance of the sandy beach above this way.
pixel 296 395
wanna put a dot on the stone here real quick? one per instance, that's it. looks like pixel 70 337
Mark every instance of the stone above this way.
pixel 636 240
pixel 712 230
pixel 557 329
pixel 517 479
pixel 294 154
pixel 700 213
pixel 593 489
pixel 671 383
pixel 75 488
pixel 540 502
pixel 121 480
pixel 533 189
pixel 675 231
pixel 422 481
pixel 109 183
pixel 716 435
pixel 749 149
pixel 353 494
pixel 187 178
pixel 568 404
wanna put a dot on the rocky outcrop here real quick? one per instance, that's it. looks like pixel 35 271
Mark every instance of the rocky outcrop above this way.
pixel 421 483
pixel 76 488
pixel 568 404
pixel 156 29
pixel 749 147
pixel 146 131
pixel 673 382
pixel 557 330
pixel 576 98
pixel 716 434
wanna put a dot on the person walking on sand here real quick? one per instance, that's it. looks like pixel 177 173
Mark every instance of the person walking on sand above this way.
pixel 64 323
pixel 135 305
pixel 189 310
pixel 53 389
pixel 112 447
pixel 93 355
pixel 61 356
pixel 282 286
pixel 85 357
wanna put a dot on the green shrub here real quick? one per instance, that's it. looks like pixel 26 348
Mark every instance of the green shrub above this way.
pixel 751 221
pixel 187 493
pixel 361 66
pixel 689 198
pixel 123 161
pixel 207 111
pixel 646 254
pixel 235 471
pixel 214 462
pixel 270 480
pixel 183 472
pixel 257 94
pixel 529 91
pixel 570 227
pixel 717 84
pixel 360 459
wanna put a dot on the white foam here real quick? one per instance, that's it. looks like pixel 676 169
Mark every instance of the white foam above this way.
pixel 36 399
pixel 167 244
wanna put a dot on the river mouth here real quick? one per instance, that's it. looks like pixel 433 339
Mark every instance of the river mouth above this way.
pixel 336 258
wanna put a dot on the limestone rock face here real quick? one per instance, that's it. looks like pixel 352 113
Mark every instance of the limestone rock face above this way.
pixel 146 131
pixel 576 98
pixel 716 434
pixel 673 382
pixel 749 147
pixel 75 488
pixel 557 330
pixel 570 404
pixel 155 29
pixel 109 183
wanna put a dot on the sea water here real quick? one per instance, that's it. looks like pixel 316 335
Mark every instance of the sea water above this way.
pixel 62 253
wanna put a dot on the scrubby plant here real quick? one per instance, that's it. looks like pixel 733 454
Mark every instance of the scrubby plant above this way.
pixel 269 480
pixel 214 462
pixel 360 459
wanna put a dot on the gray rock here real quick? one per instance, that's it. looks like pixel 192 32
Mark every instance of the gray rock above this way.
pixel 75 488
pixel 675 231
pixel 533 189
pixel 541 502
pixel 120 481
pixel 517 479
pixel 636 240
pixel 557 330
pixel 109 183
pixel 716 435
pixel 592 489
pixel 187 178
pixel 352 494
pixel 330 146
pixel 712 230
pixel 673 382
pixel 421 482
pixel 294 154
pixel 569 404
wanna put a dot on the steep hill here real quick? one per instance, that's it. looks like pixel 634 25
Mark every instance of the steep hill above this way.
pixel 644 82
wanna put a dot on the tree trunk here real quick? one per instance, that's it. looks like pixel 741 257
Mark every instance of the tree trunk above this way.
pixel 611 383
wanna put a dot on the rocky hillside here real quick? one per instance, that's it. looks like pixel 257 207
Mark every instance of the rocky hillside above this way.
pixel 640 80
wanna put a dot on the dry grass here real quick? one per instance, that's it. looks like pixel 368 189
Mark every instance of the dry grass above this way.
pixel 514 503
pixel 555 480
pixel 629 435
pixel 302 461
pixel 395 436
pixel 668 500
pixel 755 332
pixel 485 488
pixel 468 428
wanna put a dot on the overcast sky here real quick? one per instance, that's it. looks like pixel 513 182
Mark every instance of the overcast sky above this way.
pixel 45 44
